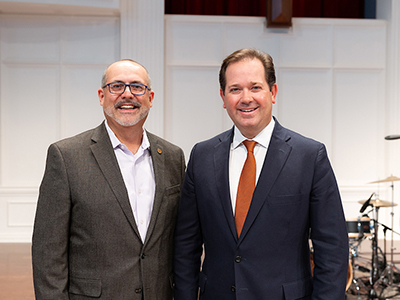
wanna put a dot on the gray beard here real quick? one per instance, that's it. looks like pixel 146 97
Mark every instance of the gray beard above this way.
pixel 110 112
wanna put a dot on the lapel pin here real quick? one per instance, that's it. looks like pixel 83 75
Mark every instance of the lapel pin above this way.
pixel 159 150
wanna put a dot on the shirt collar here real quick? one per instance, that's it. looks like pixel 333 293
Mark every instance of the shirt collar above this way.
pixel 115 142
pixel 263 138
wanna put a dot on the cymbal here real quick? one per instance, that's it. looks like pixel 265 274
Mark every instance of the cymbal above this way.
pixel 389 179
pixel 378 203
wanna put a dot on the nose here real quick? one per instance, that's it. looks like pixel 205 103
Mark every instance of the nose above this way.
pixel 127 93
pixel 246 95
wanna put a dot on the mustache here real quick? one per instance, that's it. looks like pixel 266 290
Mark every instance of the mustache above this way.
pixel 124 102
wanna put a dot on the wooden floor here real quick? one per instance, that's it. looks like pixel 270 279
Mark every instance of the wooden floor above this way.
pixel 16 272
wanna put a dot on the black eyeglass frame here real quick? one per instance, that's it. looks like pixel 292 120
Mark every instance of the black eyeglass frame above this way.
pixel 129 84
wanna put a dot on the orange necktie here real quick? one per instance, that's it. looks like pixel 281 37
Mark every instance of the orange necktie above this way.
pixel 246 186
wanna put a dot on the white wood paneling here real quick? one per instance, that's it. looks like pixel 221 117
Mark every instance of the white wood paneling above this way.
pixel 193 118
pixel 80 106
pixel 359 46
pixel 88 41
pixel 21 212
pixel 303 105
pixel 359 126
pixel 202 43
pixel 29 39
pixel 28 121
pixel 17 209
pixel 308 45
pixel 252 32
pixel 50 71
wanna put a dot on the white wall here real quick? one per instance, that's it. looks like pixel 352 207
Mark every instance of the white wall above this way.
pixel 331 73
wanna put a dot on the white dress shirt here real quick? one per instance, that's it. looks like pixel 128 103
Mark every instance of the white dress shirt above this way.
pixel 138 174
pixel 238 155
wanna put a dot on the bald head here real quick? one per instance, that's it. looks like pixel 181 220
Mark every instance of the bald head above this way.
pixel 106 72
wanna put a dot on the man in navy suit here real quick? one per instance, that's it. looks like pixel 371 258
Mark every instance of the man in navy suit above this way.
pixel 295 199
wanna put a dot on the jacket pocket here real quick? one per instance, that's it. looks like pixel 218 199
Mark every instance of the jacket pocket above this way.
pixel 175 189
pixel 298 289
pixel 85 287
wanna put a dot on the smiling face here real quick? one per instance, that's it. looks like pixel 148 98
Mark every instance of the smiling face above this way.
pixel 247 96
pixel 125 109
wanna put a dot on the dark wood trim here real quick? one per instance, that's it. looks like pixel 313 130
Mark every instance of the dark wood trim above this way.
pixel 279 13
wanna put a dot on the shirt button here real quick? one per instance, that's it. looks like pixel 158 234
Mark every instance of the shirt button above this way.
pixel 139 192
pixel 238 259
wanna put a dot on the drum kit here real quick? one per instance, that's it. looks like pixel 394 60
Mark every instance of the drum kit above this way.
pixel 381 273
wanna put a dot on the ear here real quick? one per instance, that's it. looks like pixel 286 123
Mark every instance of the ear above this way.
pixel 100 93
pixel 151 97
pixel 274 92
pixel 221 93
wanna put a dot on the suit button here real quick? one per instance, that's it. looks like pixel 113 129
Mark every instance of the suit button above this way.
pixel 238 259
pixel 142 256
pixel 233 288
pixel 138 291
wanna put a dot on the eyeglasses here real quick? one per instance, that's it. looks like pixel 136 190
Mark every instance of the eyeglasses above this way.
pixel 137 89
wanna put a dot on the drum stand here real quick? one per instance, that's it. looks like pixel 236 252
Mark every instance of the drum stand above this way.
pixel 355 282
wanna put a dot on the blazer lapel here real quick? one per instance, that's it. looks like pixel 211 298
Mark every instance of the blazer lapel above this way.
pixel 221 170
pixel 158 160
pixel 105 157
pixel 277 154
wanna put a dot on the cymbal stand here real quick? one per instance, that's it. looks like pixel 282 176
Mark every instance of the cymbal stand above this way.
pixel 374 269
pixel 389 269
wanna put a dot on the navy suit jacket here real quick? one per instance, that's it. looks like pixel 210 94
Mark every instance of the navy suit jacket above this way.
pixel 296 198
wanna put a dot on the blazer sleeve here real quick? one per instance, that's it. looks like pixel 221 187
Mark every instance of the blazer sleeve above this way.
pixel 188 240
pixel 328 233
pixel 51 230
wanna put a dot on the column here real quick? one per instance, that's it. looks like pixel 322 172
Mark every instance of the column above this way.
pixel 142 39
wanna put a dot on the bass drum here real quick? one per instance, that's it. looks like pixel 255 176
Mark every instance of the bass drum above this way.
pixel 349 271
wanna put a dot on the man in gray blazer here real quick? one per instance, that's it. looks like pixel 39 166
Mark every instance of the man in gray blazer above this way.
pixel 108 202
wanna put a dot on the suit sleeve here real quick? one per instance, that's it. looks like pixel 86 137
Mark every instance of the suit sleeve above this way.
pixel 328 233
pixel 51 231
pixel 188 240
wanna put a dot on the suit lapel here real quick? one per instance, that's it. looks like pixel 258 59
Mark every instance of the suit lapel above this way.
pixel 105 157
pixel 158 160
pixel 277 154
pixel 221 170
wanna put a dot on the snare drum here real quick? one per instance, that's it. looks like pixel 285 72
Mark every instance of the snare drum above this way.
pixel 358 227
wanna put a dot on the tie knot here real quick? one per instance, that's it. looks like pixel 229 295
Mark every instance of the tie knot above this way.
pixel 249 145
